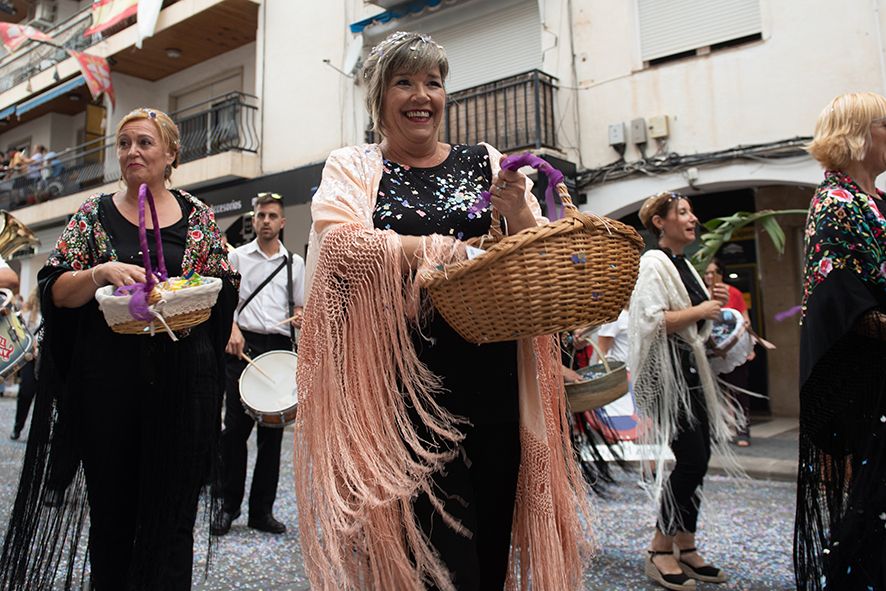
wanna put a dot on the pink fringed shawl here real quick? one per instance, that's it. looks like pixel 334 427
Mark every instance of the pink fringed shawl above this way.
pixel 359 461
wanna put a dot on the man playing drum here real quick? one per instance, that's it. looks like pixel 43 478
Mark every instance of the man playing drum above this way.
pixel 270 309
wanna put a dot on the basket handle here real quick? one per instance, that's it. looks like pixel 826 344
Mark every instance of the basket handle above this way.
pixel 144 194
pixel 139 305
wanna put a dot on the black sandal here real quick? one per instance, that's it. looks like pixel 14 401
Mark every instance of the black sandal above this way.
pixel 705 574
pixel 674 582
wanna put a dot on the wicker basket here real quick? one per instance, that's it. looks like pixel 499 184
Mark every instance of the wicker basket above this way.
pixel 598 392
pixel 576 271
pixel 163 310
pixel 179 310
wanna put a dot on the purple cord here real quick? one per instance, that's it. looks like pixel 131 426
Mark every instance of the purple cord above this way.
pixel 140 292
pixel 517 161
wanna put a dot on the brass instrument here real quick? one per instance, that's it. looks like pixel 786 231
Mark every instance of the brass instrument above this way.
pixel 14 235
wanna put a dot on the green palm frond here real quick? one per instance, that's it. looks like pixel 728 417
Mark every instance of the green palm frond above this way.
pixel 720 231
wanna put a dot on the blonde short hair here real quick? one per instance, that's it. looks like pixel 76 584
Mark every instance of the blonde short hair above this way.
pixel 166 127
pixel 843 130
pixel 400 52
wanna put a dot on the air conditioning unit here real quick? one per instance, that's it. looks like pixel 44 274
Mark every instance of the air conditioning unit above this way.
pixel 43 14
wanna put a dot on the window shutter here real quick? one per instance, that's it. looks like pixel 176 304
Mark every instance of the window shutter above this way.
pixel 669 27
pixel 496 45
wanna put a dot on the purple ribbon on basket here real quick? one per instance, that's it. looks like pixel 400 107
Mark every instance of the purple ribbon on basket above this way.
pixel 517 161
pixel 141 292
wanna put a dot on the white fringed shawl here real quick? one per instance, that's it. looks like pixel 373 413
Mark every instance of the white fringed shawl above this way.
pixel 659 385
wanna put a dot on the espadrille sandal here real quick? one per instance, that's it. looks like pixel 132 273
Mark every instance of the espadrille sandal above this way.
pixel 705 574
pixel 673 582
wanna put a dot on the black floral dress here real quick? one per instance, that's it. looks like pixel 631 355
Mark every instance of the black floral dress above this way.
pixel 139 414
pixel 840 531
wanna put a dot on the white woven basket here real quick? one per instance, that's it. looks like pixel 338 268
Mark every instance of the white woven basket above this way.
pixel 170 305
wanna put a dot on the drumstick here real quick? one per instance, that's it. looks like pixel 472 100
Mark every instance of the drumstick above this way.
pixel 285 320
pixel 249 360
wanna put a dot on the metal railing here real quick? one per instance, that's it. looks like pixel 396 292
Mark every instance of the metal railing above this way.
pixel 223 124
pixel 34 57
pixel 511 114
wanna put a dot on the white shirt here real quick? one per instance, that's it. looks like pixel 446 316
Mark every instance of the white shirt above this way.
pixel 3 263
pixel 270 307
pixel 618 330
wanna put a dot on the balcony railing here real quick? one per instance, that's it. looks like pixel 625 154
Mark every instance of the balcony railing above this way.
pixel 223 124
pixel 35 57
pixel 511 114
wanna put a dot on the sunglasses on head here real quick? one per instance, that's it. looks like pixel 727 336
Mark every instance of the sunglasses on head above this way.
pixel 271 195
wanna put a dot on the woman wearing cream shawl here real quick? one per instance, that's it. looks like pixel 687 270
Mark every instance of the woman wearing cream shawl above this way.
pixel 669 320
pixel 377 445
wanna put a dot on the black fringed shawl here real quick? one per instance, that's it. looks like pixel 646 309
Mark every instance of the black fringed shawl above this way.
pixel 840 530
pixel 50 510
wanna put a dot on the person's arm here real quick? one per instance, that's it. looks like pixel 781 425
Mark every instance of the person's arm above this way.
pixel 677 320
pixel 604 344
pixel 570 375
pixel 75 288
pixel 8 277
pixel 298 290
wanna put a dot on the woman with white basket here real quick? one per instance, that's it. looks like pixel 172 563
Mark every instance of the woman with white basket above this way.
pixel 670 318
pixel 132 396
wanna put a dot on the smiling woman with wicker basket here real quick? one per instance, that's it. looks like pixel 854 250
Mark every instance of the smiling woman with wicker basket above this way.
pixel 669 319
pixel 140 412
pixel 453 472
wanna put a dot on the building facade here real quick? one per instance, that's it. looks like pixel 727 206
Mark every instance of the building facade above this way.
pixel 713 98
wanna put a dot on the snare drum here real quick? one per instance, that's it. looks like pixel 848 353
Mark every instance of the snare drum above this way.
pixel 267 389
pixel 730 342
pixel 16 341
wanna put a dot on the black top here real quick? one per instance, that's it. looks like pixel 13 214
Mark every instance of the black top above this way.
pixel 436 200
pixel 480 381
pixel 124 236
pixel 693 287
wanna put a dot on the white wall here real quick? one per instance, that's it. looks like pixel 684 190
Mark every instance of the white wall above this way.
pixel 308 108
pixel 134 92
pixel 764 91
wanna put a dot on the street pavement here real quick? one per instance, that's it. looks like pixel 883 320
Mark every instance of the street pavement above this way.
pixel 745 528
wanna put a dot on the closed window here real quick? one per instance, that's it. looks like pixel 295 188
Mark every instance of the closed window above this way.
pixel 678 28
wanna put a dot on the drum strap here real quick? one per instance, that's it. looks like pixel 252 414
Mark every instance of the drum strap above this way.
pixel 290 299
pixel 287 262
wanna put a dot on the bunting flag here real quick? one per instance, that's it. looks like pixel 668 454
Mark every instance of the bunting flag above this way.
pixel 148 11
pixel 107 13
pixel 13 35
pixel 97 73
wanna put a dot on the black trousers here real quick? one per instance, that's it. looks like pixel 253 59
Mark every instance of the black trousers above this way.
pixel 692 452
pixel 478 489
pixel 146 439
pixel 237 428
pixel 26 391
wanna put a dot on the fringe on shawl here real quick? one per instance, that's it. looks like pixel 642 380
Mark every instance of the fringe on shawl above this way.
pixel 552 539
pixel 662 396
pixel 359 459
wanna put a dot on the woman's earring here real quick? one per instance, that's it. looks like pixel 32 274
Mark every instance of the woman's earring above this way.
pixel 167 172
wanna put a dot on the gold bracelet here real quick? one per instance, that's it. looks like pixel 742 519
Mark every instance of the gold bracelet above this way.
pixel 93 276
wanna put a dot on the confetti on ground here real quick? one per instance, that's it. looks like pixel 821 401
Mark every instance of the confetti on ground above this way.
pixel 746 529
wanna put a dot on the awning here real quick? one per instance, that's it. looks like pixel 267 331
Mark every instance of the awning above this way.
pixel 406 9
pixel 8 111
pixel 47 96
